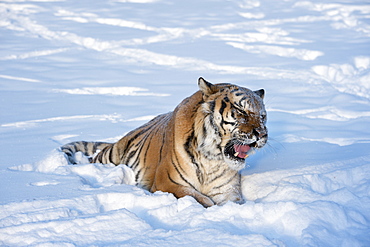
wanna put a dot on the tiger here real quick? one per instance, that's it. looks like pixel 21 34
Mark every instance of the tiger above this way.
pixel 196 150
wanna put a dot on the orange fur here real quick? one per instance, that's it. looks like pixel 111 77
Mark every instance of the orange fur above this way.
pixel 188 151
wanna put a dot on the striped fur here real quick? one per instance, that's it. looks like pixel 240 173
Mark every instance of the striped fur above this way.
pixel 87 148
pixel 195 150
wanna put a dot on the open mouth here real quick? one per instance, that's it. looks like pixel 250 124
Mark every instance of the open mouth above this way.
pixel 241 151
pixel 238 151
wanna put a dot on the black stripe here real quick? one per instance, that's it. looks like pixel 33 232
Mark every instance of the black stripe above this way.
pixel 150 126
pixel 111 155
pixel 85 151
pixel 101 155
pixel 181 176
pixel 188 148
pixel 204 131
pixel 137 175
pixel 222 108
pixel 197 166
pixel 141 132
pixel 227 122
pixel 145 142
pixel 97 158
pixel 215 127
pixel 68 150
pixel 173 181
pixel 217 177
pixel 135 163
pixel 177 161
pixel 242 99
pixel 129 157
pixel 140 150
pixel 145 128
pixel 137 150
pixel 212 106
pixel 74 147
pixel 227 182
pixel 149 142
pixel 214 194
pixel 96 145
pixel 161 149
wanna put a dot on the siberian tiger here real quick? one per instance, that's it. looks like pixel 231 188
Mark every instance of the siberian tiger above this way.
pixel 195 150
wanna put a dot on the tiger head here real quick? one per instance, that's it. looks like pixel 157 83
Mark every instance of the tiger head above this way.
pixel 233 122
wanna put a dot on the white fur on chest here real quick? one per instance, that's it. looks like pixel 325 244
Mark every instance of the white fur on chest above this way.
pixel 220 182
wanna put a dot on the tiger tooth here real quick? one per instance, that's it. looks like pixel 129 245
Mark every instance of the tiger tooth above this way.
pixel 236 154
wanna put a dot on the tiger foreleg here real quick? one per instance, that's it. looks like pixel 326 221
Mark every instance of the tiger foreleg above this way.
pixel 164 184
pixel 199 197
pixel 232 196
pixel 181 191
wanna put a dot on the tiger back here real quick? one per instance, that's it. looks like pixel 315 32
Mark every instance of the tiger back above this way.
pixel 196 150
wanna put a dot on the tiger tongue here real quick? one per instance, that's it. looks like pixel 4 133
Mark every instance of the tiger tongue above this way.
pixel 241 150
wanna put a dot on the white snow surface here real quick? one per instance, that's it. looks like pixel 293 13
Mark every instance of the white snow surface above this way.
pixel 94 70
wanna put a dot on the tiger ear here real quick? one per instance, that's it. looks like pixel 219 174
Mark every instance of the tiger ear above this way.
pixel 260 93
pixel 206 87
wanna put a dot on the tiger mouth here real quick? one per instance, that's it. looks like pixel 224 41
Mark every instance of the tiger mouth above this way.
pixel 238 151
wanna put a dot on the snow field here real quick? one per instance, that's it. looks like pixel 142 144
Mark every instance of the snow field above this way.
pixel 83 70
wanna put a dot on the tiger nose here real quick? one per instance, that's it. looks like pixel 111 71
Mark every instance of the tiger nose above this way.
pixel 260 132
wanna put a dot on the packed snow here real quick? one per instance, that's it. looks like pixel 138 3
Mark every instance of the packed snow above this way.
pixel 94 70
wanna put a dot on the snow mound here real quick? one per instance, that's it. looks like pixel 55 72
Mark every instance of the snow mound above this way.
pixel 349 78
pixel 93 175
pixel 316 205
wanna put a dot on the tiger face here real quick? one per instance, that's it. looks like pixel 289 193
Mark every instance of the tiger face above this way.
pixel 235 122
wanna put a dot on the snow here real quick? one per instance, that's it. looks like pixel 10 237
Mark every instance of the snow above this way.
pixel 84 70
